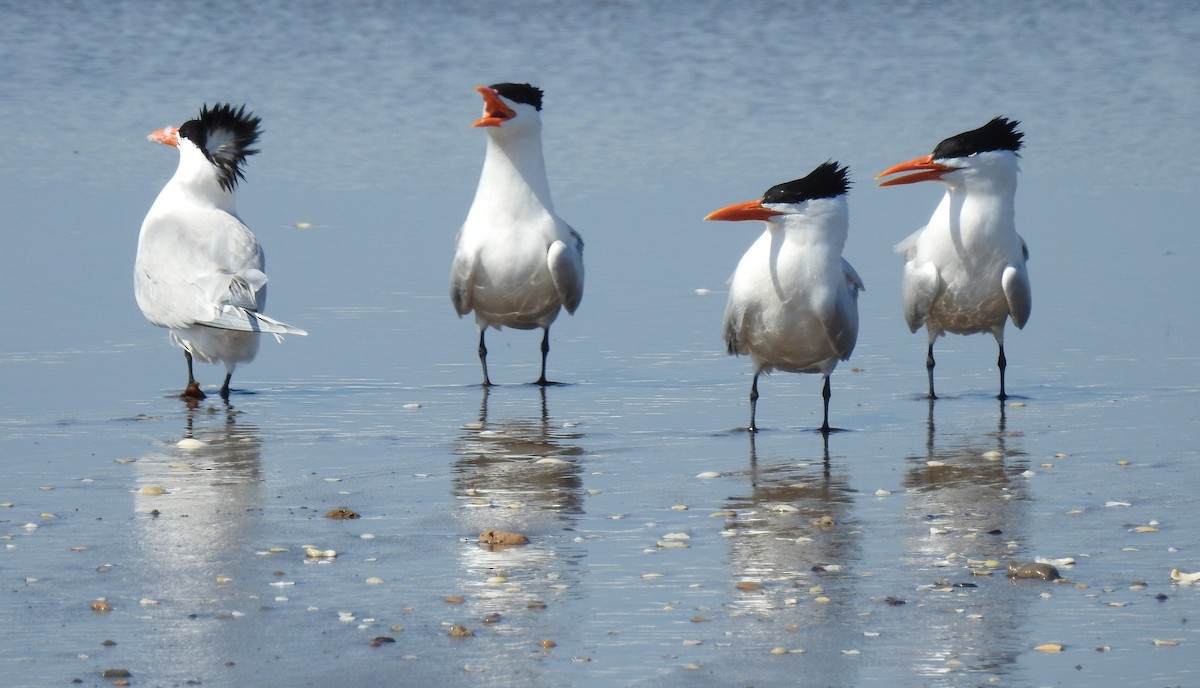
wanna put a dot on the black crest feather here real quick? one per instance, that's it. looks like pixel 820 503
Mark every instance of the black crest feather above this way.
pixel 521 93
pixel 827 181
pixel 999 134
pixel 225 135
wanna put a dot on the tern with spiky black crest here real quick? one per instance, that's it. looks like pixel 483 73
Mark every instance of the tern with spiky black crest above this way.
pixel 199 269
pixel 516 263
pixel 793 301
pixel 964 271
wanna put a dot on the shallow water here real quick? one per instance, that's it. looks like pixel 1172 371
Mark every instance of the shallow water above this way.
pixel 655 115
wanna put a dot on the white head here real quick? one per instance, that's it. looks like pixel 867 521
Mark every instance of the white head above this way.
pixel 511 110
pixel 817 200
pixel 986 156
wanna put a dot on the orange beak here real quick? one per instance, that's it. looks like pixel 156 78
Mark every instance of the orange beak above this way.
pixel 750 210
pixel 495 111
pixel 926 171
pixel 167 135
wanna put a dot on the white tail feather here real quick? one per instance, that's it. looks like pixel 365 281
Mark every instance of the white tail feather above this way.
pixel 242 320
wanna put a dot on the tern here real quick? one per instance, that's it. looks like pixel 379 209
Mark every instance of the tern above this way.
pixel 965 270
pixel 199 269
pixel 793 300
pixel 516 264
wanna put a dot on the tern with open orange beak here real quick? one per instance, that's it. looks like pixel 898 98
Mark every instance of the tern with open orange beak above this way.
pixel 793 301
pixel 964 271
pixel 516 263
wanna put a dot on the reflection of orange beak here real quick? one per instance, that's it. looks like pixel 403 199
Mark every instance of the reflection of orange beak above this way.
pixel 927 171
pixel 166 135
pixel 750 210
pixel 495 111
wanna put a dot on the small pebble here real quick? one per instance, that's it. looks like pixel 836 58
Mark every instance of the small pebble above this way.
pixel 460 631
pixel 152 490
pixel 374 580
pixel 101 606
pixel 1032 570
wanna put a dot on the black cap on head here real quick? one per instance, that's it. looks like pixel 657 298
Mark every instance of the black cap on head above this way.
pixel 521 93
pixel 225 135
pixel 999 134
pixel 827 181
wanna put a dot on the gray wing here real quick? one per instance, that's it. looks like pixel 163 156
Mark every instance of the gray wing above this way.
pixel 462 278
pixel 919 288
pixel 565 261
pixel 840 316
pixel 1015 281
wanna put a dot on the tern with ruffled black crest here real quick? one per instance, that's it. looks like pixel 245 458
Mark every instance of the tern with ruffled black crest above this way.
pixel 199 268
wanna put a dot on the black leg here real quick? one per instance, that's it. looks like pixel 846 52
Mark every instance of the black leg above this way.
pixel 545 352
pixel 825 395
pixel 1002 363
pixel 225 387
pixel 929 363
pixel 483 357
pixel 753 402
pixel 192 391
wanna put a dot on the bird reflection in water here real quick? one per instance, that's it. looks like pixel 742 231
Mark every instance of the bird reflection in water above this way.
pixel 195 536
pixel 790 534
pixel 967 504
pixel 520 474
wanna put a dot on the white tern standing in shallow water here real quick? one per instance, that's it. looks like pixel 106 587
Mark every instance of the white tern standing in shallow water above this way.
pixel 517 264
pixel 199 270
pixel 965 270
pixel 793 301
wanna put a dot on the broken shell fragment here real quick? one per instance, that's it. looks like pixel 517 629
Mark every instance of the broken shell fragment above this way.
pixel 1184 578
pixel 342 513
pixel 502 537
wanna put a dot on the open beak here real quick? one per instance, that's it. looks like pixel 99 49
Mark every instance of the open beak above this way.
pixel 926 170
pixel 750 210
pixel 495 112
pixel 167 135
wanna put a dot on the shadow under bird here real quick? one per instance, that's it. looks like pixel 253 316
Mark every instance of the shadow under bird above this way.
pixel 793 300
pixel 516 263
pixel 964 272
pixel 199 269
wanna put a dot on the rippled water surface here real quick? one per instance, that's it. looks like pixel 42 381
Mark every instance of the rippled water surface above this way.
pixel 854 558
